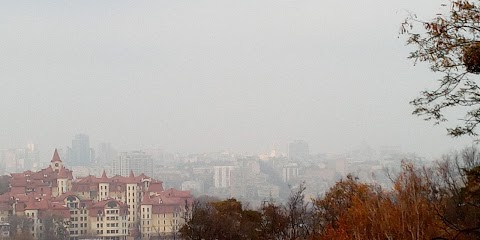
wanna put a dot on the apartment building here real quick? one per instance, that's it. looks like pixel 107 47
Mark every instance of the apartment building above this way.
pixel 137 161
pixel 118 207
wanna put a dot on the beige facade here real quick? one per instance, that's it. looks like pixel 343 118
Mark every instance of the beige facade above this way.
pixel 103 207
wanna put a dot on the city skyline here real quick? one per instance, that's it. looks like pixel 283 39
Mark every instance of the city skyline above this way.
pixel 224 119
pixel 281 149
pixel 199 77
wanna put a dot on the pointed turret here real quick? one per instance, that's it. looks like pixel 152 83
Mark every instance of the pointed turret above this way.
pixel 56 157
pixel 56 162
pixel 131 174
pixel 104 177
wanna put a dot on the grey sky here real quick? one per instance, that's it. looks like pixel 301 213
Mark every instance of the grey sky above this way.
pixel 212 74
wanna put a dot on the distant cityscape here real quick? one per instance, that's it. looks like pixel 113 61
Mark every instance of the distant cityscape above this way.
pixel 224 174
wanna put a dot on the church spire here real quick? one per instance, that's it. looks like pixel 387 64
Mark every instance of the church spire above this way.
pixel 56 157
pixel 56 162
pixel 104 177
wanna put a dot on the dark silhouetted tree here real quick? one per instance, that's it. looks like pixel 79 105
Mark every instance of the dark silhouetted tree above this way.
pixel 274 221
pixel 450 45
pixel 53 227
pixel 20 227
pixel 4 184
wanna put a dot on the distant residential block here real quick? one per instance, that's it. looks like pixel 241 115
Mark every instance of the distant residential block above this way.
pixel 137 161
pixel 119 207
pixel 298 151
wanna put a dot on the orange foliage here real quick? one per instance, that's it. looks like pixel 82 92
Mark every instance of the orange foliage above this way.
pixel 361 211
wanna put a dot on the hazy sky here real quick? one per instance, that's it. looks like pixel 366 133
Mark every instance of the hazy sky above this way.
pixel 205 75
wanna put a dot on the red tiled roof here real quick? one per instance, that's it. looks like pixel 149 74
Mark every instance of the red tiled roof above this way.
pixel 85 180
pixel 62 173
pixel 21 197
pixel 31 203
pixel 43 204
pixel 99 206
pixel 58 208
pixel 17 175
pixel 18 182
pixel 5 207
pixel 167 203
pixel 62 197
pixel 156 187
pixel 146 200
pixel 5 197
pixel 178 193
pixel 104 178
pixel 80 187
pixel 42 182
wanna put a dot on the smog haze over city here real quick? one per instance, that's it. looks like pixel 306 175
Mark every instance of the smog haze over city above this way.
pixel 205 76
pixel 247 119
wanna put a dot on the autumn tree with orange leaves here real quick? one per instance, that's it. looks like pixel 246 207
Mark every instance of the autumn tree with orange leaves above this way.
pixel 456 198
pixel 424 203
pixel 355 210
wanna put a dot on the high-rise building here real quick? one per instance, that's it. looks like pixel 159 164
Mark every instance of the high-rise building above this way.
pixel 32 156
pixel 80 154
pixel 289 172
pixel 12 160
pixel 19 159
pixel 223 176
pixel 105 153
pixel 137 161
pixel 298 150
